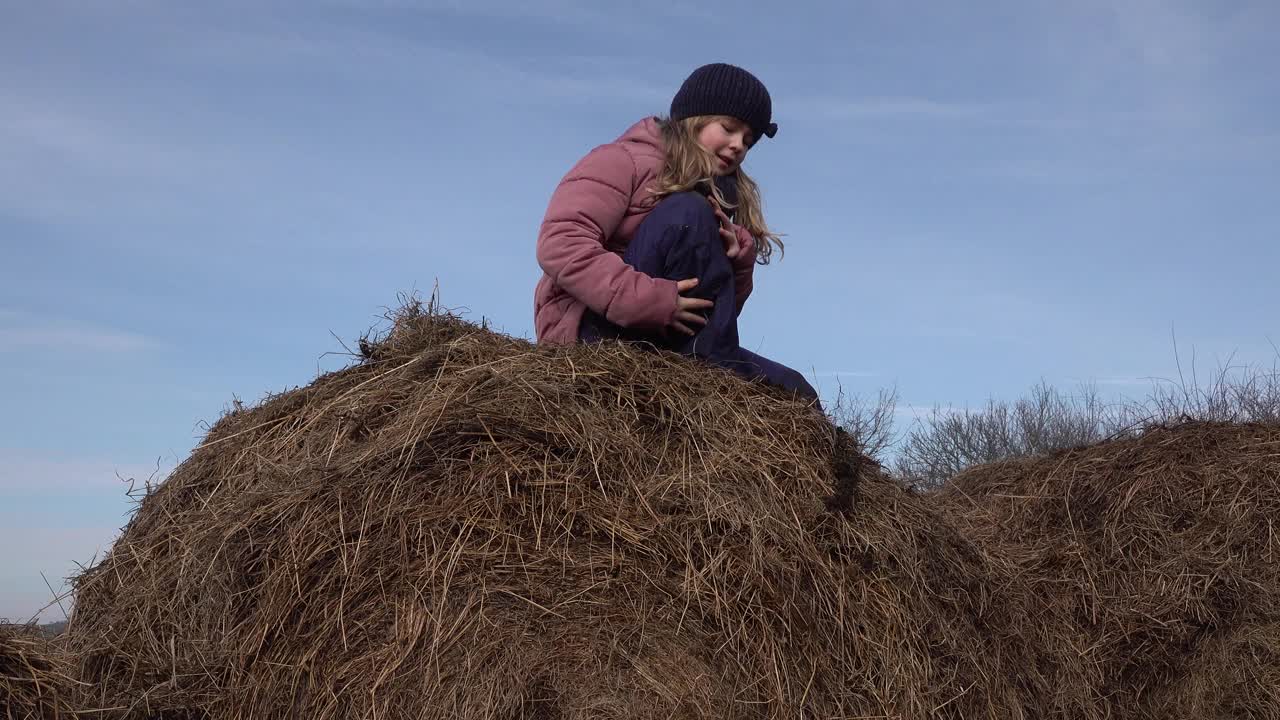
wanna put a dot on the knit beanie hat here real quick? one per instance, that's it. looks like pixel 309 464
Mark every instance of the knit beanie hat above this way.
pixel 720 89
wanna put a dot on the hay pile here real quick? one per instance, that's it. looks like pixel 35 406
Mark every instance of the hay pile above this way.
pixel 34 678
pixel 1235 674
pixel 1151 564
pixel 465 526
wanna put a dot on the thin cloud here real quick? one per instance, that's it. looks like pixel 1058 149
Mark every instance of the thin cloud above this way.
pixel 22 332
pixel 845 373
pixel 1060 116
pixel 55 542
pixel 921 412
pixel 852 108
pixel 41 129
pixel 50 555
pixel 76 157
pixel 1167 34
pixel 41 474
pixel 581 13
pixel 1122 381
pixel 371 50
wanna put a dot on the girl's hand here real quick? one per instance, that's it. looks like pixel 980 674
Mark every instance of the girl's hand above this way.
pixel 686 313
pixel 727 233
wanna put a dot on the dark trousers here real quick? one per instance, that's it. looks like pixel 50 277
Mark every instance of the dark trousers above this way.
pixel 678 240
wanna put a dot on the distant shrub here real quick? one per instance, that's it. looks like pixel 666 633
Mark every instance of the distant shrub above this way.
pixel 947 440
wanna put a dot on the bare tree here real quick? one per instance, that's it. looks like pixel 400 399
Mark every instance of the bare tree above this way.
pixel 870 422
pixel 947 440
pixel 1232 393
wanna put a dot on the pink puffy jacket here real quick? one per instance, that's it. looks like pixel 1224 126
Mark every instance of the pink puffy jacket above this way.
pixel 592 216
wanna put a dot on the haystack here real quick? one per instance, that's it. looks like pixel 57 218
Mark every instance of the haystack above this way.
pixel 34 678
pixel 1152 564
pixel 463 525
pixel 1235 674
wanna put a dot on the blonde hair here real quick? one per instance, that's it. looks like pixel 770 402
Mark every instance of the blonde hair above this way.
pixel 686 164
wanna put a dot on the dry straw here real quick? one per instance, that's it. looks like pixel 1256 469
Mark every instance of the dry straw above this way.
pixel 34 677
pixel 462 525
pixel 1235 674
pixel 1149 566
pixel 465 526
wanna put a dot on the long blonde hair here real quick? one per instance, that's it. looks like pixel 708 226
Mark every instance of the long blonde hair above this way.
pixel 686 164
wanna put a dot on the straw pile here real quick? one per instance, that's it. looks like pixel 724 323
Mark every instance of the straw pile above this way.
pixel 464 526
pixel 34 679
pixel 1233 675
pixel 1151 563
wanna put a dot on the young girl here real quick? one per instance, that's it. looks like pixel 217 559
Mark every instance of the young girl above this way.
pixel 636 243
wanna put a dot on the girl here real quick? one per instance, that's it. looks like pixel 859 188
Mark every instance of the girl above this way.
pixel 636 243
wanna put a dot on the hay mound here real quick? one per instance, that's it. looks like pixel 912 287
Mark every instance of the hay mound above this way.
pixel 1235 674
pixel 1151 563
pixel 34 678
pixel 466 526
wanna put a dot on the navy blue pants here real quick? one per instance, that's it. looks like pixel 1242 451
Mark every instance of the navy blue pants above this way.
pixel 678 240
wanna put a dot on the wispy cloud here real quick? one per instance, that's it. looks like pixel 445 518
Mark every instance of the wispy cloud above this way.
pixel 57 129
pixel 899 107
pixel 55 475
pixel 923 412
pixel 22 332
pixel 581 13
pixel 80 149
pixel 381 50
pixel 49 555
pixel 1165 34
pixel 62 510
pixel 845 373
pixel 73 156
pixel 1123 381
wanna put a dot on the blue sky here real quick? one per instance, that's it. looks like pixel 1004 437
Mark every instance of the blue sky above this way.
pixel 196 198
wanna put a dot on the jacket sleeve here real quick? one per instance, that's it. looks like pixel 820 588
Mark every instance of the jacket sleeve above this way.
pixel 585 210
pixel 743 268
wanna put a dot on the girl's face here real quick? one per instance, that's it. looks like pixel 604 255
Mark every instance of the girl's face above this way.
pixel 728 139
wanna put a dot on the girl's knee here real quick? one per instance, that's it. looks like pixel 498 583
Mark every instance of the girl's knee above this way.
pixel 686 208
pixel 680 239
pixel 796 382
pixel 790 379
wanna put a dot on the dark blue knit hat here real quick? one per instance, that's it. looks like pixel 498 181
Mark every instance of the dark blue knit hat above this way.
pixel 720 89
